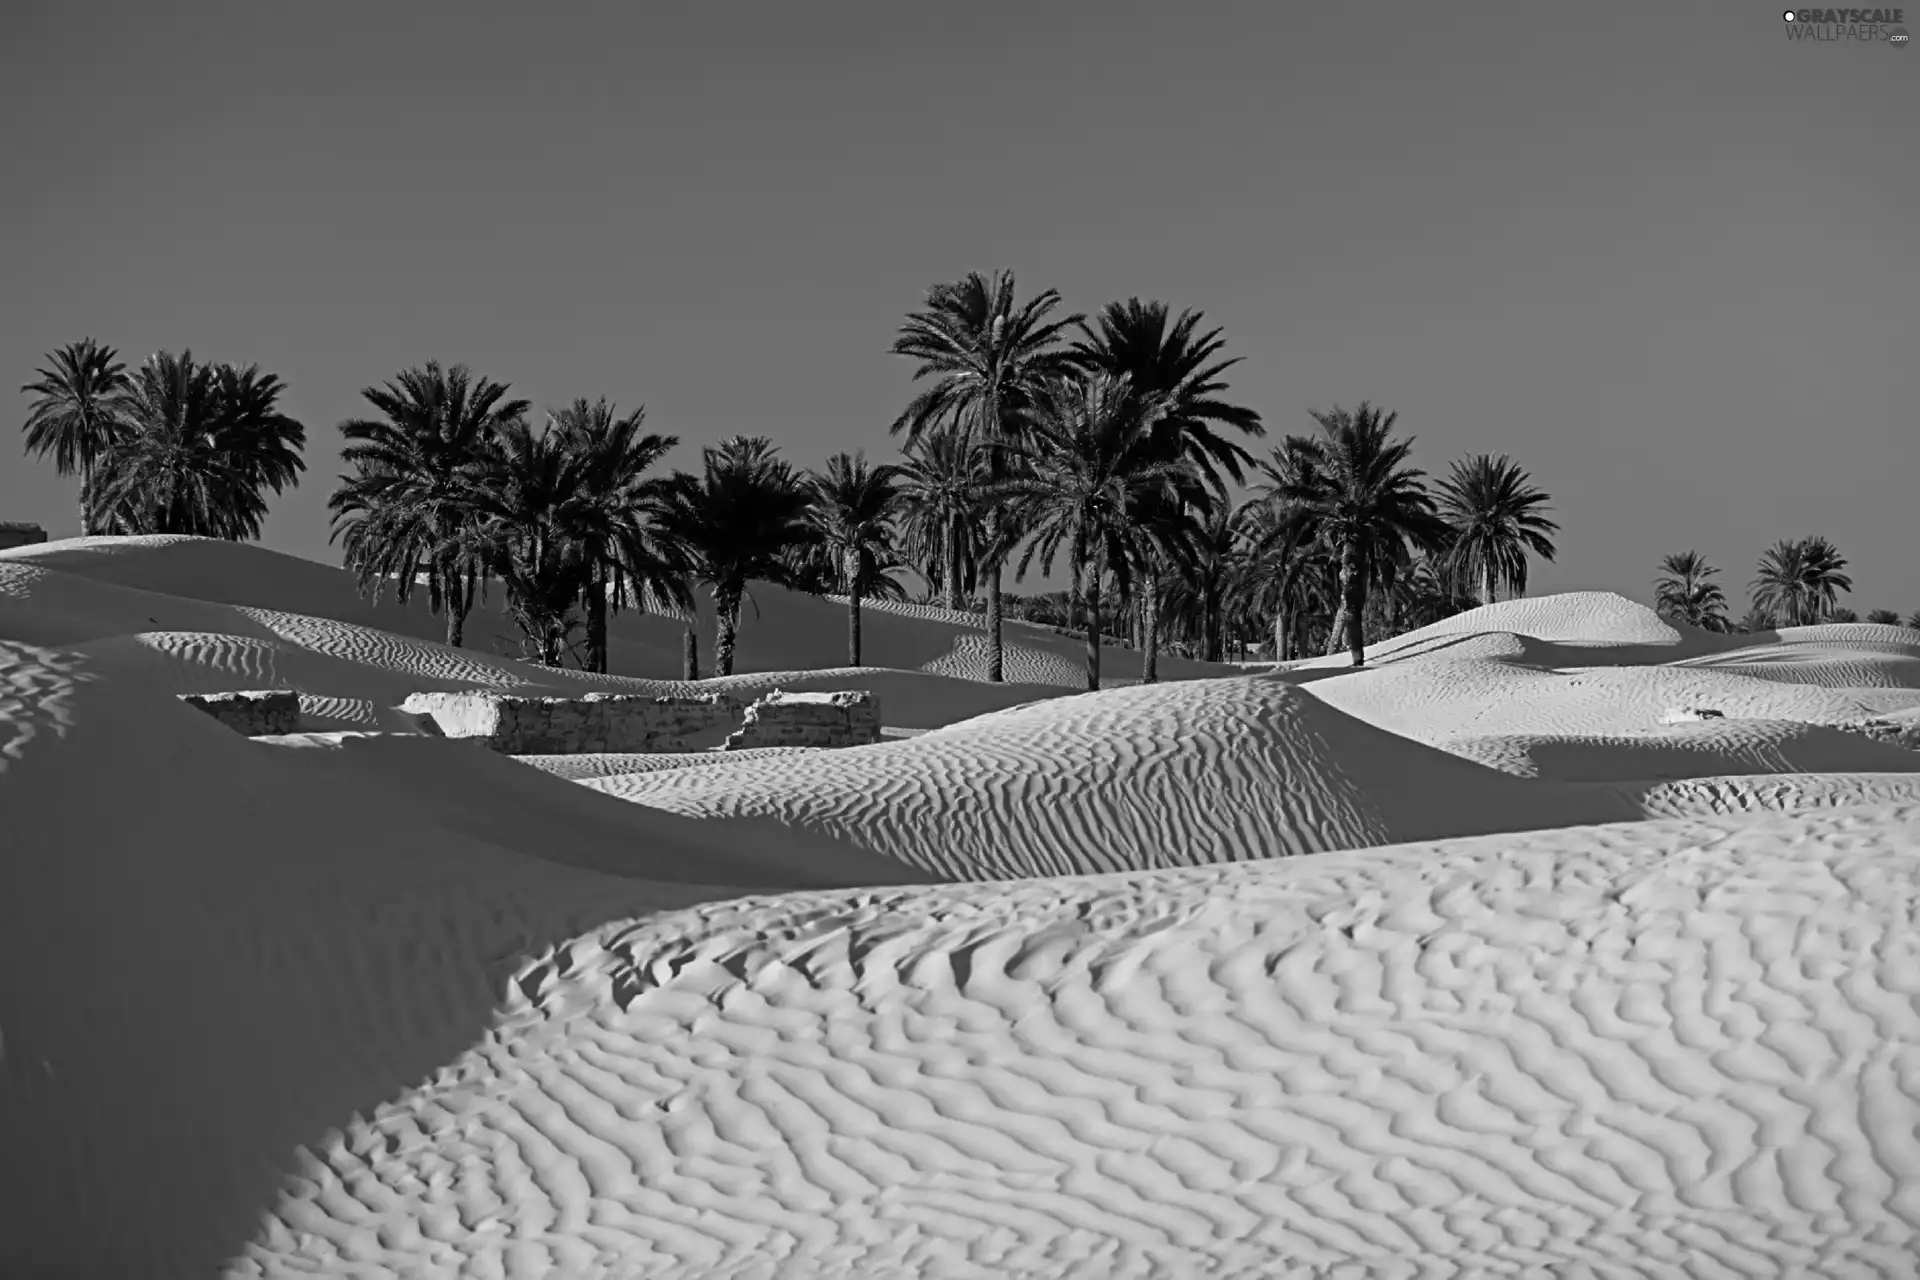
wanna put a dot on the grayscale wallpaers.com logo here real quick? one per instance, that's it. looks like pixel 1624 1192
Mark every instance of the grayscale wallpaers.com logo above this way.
pixel 1848 24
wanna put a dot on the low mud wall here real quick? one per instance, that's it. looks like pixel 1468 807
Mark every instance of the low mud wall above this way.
pixel 256 713
pixel 596 723
pixel 809 720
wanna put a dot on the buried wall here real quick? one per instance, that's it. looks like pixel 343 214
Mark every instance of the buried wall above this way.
pixel 614 723
pixel 256 713
pixel 809 720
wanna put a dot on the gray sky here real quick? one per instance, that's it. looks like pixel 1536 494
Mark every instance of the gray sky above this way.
pixel 1656 252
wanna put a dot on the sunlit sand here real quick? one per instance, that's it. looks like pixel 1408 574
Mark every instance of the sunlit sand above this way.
pixel 1463 964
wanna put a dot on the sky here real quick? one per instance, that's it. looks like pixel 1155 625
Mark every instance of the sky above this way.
pixel 1659 254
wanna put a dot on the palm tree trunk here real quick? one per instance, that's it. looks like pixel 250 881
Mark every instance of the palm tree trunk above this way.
pixel 1486 584
pixel 86 499
pixel 690 652
pixel 596 621
pixel 1073 596
pixel 995 642
pixel 955 600
pixel 453 601
pixel 1353 583
pixel 853 608
pixel 727 607
pixel 1093 629
pixel 1282 629
pixel 1150 642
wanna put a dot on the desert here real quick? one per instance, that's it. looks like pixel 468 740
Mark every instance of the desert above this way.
pixel 958 642
pixel 1462 960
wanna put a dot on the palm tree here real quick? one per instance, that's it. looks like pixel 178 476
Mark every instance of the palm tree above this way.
pixel 737 520
pixel 1202 577
pixel 195 447
pixel 1134 340
pixel 1352 486
pixel 1497 518
pixel 987 357
pixel 943 485
pixel 525 522
pixel 75 415
pixel 1884 617
pixel 1089 468
pixel 1842 614
pixel 1913 620
pixel 411 503
pixel 1685 592
pixel 852 514
pixel 616 517
pixel 1798 581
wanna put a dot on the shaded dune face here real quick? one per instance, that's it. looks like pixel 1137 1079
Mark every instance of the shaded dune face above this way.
pixel 1459 965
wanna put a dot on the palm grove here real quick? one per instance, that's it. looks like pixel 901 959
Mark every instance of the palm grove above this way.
pixel 1107 446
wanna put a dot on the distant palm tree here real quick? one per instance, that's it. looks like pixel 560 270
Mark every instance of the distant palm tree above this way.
pixel 1498 517
pixel 1913 620
pixel 1353 487
pixel 853 510
pixel 1201 580
pixel 737 520
pixel 943 486
pixel 1798 581
pixel 1088 467
pixel 1842 614
pixel 617 517
pixel 1281 545
pixel 1754 620
pixel 76 412
pixel 196 447
pixel 410 504
pixel 1685 591
pixel 1884 617
pixel 987 356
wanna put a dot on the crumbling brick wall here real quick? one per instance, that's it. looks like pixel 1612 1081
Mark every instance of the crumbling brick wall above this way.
pixel 809 720
pixel 597 723
pixel 256 713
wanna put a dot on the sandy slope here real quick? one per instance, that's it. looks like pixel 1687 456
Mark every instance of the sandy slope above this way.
pixel 382 1005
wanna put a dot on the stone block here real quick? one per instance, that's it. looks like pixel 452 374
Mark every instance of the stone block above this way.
pixel 845 719
pixel 596 723
pixel 256 713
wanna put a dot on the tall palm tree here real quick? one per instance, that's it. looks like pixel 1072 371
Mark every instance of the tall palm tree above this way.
pixel 75 414
pixel 411 501
pixel 1355 488
pixel 1685 591
pixel 1884 617
pixel 943 486
pixel 987 356
pixel 617 516
pixel 1798 581
pixel 1089 466
pixel 1172 360
pixel 852 513
pixel 196 447
pixel 1498 517
pixel 737 520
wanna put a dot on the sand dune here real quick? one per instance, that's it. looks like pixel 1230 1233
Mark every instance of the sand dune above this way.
pixel 1463 964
